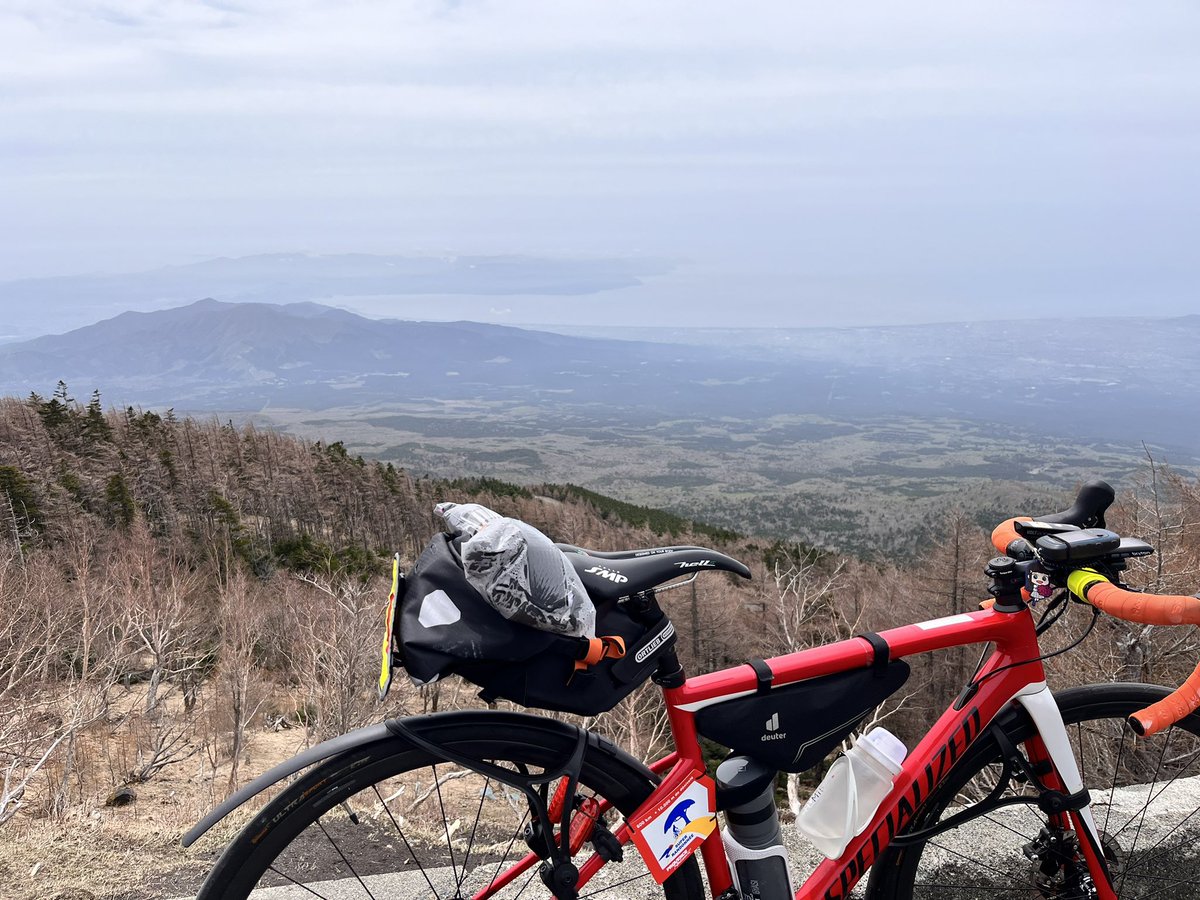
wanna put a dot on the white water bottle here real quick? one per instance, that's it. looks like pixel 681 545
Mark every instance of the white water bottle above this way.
pixel 843 804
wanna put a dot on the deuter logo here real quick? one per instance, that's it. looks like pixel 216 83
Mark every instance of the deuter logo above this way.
pixel 611 574
pixel 773 732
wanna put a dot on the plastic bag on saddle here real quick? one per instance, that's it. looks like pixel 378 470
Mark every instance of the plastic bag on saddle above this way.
pixel 520 572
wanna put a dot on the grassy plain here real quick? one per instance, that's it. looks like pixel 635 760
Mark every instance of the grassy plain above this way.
pixel 866 486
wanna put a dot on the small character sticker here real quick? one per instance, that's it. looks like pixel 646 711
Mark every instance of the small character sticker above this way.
pixel 1037 582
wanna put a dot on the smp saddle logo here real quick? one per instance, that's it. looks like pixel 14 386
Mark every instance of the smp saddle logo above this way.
pixel 604 572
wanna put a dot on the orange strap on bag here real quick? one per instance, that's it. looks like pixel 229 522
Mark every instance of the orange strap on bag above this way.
pixel 1147 609
pixel 610 646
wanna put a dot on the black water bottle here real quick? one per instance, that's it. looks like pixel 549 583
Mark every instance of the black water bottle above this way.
pixel 753 839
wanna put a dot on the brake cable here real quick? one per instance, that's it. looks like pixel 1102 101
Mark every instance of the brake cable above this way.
pixel 1056 607
pixel 973 685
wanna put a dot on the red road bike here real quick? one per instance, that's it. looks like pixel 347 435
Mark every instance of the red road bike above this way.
pixel 1015 791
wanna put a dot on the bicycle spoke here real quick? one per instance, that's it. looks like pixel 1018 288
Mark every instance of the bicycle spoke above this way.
pixel 295 882
pixel 437 786
pixel 508 849
pixel 407 845
pixel 526 884
pixel 1149 796
pixel 1038 821
pixel 617 885
pixel 1020 834
pixel 962 887
pixel 982 865
pixel 1171 881
pixel 455 832
pixel 1172 849
pixel 1174 778
pixel 1113 790
pixel 474 828
pixel 346 861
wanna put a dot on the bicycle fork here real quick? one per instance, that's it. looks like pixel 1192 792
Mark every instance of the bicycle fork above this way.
pixel 1052 745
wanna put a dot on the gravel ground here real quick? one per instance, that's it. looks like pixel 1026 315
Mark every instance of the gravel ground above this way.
pixel 989 856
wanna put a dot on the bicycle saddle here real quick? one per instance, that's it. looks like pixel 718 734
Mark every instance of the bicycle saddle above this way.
pixel 611 575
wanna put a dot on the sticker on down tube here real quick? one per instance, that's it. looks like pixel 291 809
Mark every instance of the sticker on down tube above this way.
pixel 675 825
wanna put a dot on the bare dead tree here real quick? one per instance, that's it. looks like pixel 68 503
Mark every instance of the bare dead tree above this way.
pixel 801 610
pixel 166 614
pixel 638 723
pixel 240 623
pixel 159 745
pixel 337 634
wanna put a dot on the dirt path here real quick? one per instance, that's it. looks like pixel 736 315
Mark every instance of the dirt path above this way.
pixel 981 863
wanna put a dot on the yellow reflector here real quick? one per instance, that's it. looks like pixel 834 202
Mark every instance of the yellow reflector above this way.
pixel 385 672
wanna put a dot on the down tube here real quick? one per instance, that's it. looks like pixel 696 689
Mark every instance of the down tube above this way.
pixel 922 772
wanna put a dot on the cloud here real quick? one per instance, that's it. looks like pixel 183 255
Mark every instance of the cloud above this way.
pixel 868 148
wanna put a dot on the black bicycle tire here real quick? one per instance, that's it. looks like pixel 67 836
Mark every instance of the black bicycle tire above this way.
pixel 530 739
pixel 893 873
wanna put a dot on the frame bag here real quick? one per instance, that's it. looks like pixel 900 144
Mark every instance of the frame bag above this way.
pixel 444 627
pixel 795 726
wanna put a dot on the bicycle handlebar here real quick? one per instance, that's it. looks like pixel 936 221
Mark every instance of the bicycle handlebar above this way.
pixel 1005 534
pixel 1148 609
pixel 1093 499
pixel 1092 587
pixel 1088 509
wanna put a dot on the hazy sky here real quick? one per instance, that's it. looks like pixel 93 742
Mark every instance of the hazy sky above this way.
pixel 831 163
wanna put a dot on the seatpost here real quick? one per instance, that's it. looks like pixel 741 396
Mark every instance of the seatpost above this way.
pixel 643 607
pixel 669 673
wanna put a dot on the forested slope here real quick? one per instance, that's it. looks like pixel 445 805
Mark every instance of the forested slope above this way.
pixel 184 602
pixel 171 586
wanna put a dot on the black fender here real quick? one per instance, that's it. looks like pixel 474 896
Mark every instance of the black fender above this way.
pixel 386 731
pixel 332 747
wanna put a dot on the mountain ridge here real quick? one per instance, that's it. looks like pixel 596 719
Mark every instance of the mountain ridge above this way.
pixel 1082 379
pixel 205 353
pixel 59 303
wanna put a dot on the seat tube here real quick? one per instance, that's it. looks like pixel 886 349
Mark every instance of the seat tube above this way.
pixel 687 745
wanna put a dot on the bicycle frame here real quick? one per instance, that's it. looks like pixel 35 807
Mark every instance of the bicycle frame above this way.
pixel 1015 640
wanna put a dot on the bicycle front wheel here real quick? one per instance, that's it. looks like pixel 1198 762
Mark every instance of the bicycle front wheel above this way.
pixel 1145 800
pixel 388 820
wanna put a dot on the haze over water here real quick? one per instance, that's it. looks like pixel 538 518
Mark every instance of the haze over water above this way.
pixel 800 164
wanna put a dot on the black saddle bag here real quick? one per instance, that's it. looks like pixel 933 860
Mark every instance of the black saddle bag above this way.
pixel 795 726
pixel 444 627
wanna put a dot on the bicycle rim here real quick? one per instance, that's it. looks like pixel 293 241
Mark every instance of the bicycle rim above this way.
pixel 389 821
pixel 1145 800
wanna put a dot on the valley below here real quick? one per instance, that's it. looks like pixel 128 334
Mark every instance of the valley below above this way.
pixel 871 487
pixel 849 439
